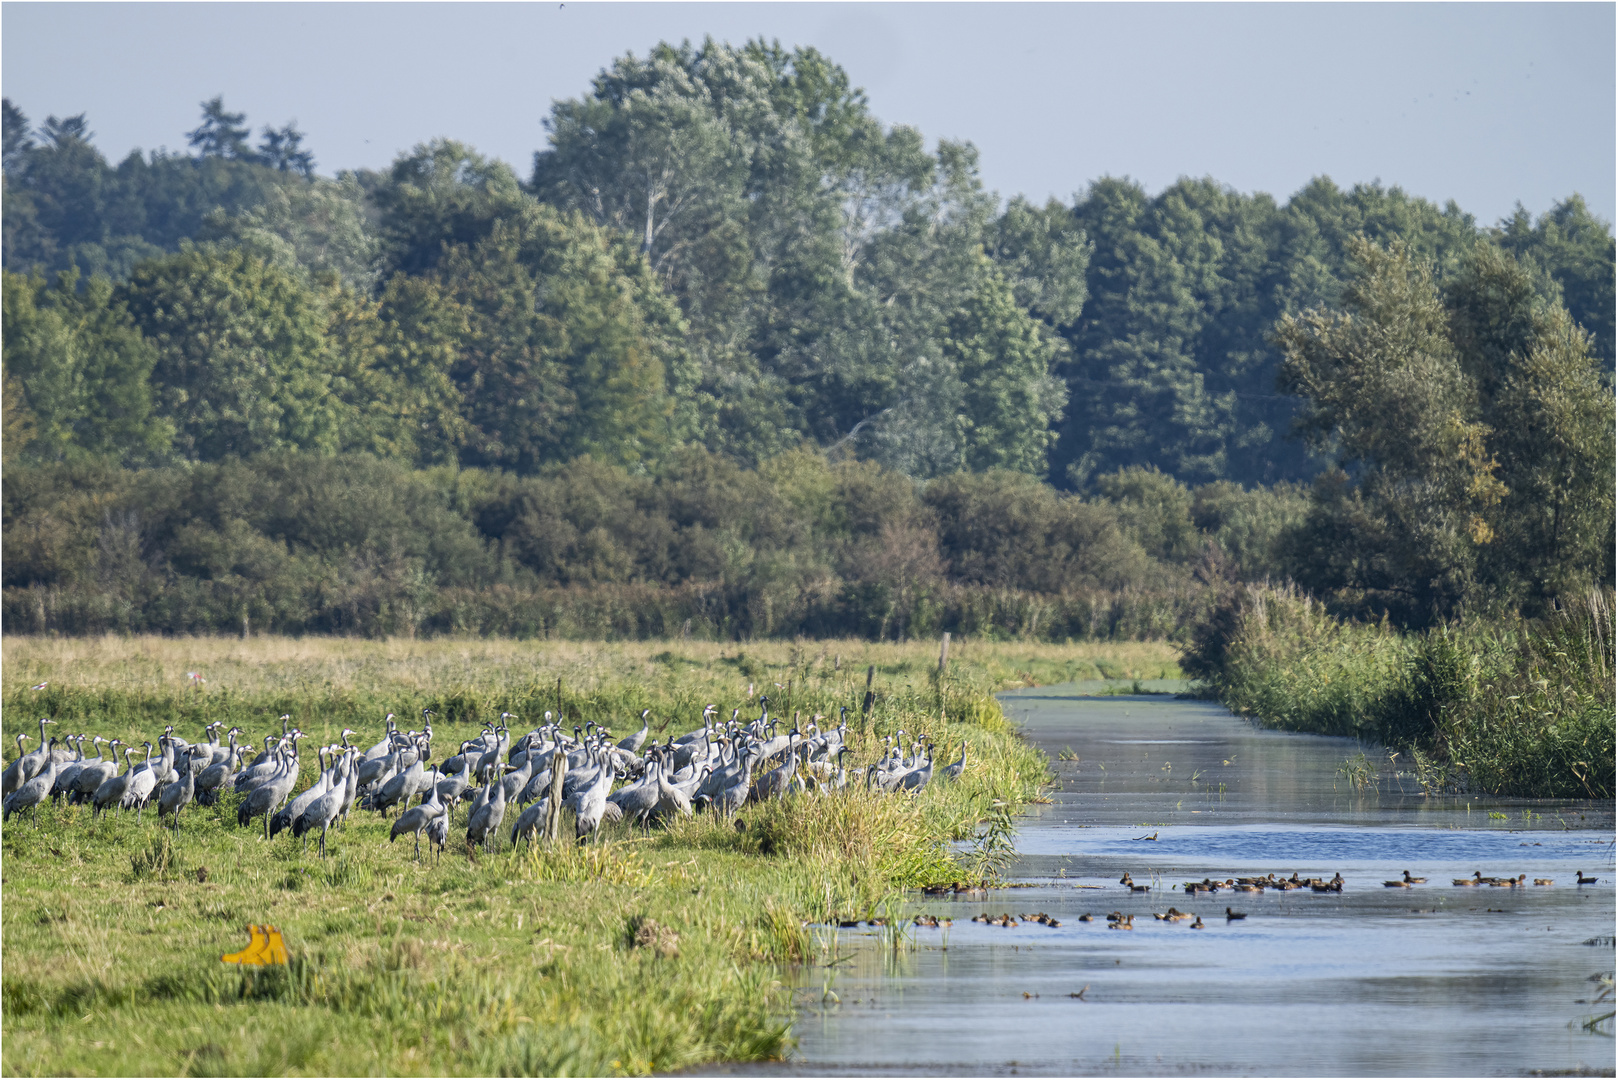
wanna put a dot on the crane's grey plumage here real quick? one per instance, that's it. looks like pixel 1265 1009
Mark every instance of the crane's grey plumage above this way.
pixel 634 742
pixel 590 804
pixel 13 777
pixel 217 775
pixel 33 792
pixel 270 794
pixel 484 825
pixel 177 795
pixel 288 815
pixel 324 810
pixel 142 782
pixel 68 774
pixel 111 791
pixel 94 774
pixel 418 818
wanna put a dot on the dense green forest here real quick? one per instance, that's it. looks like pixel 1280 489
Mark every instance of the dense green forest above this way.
pixel 736 357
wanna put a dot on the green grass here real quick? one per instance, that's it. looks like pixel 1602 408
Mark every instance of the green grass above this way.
pixel 521 962
pixel 1511 708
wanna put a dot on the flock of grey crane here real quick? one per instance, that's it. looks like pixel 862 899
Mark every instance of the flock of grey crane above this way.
pixel 719 766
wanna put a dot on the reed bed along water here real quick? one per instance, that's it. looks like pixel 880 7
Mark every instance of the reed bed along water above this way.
pixel 1514 707
pixel 528 961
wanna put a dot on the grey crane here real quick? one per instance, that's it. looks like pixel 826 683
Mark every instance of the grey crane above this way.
pixel 453 786
pixel 68 774
pixel 217 775
pixel 33 792
pixel 518 780
pixel 954 769
pixel 177 795
pixel 417 819
pixel 917 778
pixel 324 810
pixel 29 764
pixel 351 787
pixel 483 828
pixel 385 747
pixel 267 755
pixel 161 768
pixel 95 773
pixel 379 770
pixel 289 814
pixel 263 767
pixel 638 800
pixel 13 777
pixel 438 834
pixel 590 804
pixel 672 799
pixel 111 791
pixel 501 742
pixel 634 742
pixel 270 794
pixel 530 820
pixel 142 782
pixel 412 751
pixel 228 752
pixel 458 762
pixel 731 796
pixel 774 784
pixel 399 789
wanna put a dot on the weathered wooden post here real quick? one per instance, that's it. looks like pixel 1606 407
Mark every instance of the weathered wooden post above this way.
pixel 553 809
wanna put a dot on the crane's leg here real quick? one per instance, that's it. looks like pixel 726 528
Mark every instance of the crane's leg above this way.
pixel 323 829
pixel 418 845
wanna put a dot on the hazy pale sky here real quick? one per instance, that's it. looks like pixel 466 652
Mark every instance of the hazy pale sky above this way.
pixel 1486 104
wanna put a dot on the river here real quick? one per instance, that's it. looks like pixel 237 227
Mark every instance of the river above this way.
pixel 1430 980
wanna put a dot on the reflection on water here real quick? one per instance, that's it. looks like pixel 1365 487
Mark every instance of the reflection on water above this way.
pixel 1435 980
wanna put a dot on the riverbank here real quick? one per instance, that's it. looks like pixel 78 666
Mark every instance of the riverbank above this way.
pixel 1521 708
pixel 541 962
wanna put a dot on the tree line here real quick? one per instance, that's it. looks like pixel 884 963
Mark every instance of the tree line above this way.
pixel 722 255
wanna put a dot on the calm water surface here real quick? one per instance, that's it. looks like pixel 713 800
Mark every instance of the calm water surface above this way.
pixel 1434 980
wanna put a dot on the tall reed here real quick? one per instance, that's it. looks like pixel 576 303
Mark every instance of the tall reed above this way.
pixel 1516 708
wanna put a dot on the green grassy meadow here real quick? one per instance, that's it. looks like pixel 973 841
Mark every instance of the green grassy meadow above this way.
pixel 541 961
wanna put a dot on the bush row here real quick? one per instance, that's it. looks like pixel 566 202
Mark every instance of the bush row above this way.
pixel 802 545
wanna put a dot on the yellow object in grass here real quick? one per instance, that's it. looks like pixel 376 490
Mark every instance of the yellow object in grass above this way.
pixel 265 947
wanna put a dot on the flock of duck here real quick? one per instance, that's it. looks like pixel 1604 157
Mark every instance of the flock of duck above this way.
pixel 718 766
pixel 1117 920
